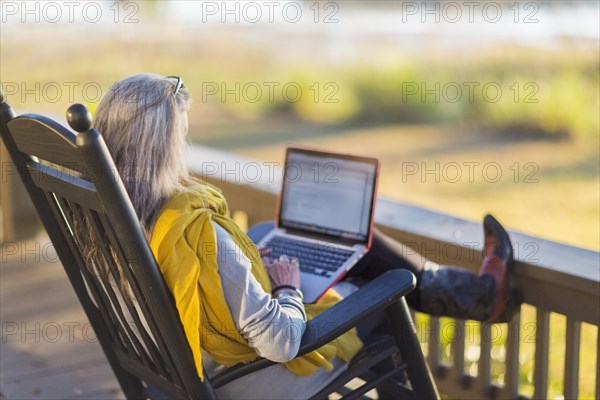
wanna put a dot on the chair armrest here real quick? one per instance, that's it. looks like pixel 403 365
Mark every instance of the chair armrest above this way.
pixel 375 296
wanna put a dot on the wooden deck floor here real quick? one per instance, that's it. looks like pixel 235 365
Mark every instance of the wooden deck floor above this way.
pixel 48 349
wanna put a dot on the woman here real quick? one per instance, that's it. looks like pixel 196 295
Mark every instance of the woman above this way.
pixel 234 302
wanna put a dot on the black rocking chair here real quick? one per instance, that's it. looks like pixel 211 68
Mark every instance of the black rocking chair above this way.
pixel 71 179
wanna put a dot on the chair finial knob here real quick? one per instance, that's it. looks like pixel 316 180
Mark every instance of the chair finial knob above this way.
pixel 79 118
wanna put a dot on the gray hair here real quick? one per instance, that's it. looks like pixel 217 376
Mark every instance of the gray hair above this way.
pixel 144 124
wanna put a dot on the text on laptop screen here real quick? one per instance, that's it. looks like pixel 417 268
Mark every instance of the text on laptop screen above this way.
pixel 328 194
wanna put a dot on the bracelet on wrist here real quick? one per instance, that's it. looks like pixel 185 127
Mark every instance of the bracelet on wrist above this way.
pixel 276 288
pixel 287 289
pixel 285 293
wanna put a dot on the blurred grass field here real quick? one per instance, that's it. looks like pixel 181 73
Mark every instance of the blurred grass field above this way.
pixel 546 152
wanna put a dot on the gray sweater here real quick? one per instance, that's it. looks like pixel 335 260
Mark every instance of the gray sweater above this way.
pixel 272 328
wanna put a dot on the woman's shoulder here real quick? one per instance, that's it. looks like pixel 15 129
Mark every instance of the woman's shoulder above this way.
pixel 197 195
pixel 184 216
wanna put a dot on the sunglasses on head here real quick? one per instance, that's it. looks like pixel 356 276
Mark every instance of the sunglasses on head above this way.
pixel 178 85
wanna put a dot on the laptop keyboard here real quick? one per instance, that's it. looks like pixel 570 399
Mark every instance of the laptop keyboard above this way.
pixel 314 258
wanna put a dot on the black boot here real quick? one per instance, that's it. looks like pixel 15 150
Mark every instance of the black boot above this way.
pixel 488 296
pixel 457 293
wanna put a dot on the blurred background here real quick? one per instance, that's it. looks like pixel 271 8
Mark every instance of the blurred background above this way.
pixel 489 106
pixel 472 107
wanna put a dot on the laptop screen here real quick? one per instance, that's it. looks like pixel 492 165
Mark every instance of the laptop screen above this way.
pixel 329 194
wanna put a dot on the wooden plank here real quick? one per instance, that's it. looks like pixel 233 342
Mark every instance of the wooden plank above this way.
pixel 30 360
pixel 18 219
pixel 59 183
pixel 48 300
pixel 511 388
pixel 433 351
pixel 572 343
pixel 48 348
pixel 542 347
pixel 485 359
pixel 82 382
pixel 458 349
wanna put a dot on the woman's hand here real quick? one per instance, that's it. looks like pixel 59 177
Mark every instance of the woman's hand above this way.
pixel 281 272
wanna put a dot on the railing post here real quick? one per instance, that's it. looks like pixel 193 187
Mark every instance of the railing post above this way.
pixel 512 358
pixel 572 342
pixel 19 218
pixel 458 351
pixel 484 367
pixel 433 344
pixel 542 342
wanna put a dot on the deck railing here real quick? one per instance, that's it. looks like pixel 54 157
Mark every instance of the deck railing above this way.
pixel 552 277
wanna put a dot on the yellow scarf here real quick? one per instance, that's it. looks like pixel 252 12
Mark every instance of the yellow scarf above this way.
pixel 184 244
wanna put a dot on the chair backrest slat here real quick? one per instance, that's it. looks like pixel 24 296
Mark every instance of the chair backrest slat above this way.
pixel 117 247
pixel 133 312
pixel 60 146
pixel 99 297
pixel 104 293
pixel 104 304
pixel 50 179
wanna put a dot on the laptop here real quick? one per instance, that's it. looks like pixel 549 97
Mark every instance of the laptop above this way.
pixel 324 215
